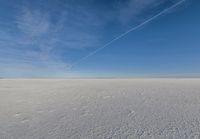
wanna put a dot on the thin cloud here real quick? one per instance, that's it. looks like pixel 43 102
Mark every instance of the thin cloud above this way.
pixel 129 31
pixel 39 33
pixel 133 8
pixel 33 23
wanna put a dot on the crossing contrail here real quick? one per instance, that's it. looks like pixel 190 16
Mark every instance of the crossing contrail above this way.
pixel 128 31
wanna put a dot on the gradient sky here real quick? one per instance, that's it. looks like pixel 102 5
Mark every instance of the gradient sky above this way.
pixel 44 38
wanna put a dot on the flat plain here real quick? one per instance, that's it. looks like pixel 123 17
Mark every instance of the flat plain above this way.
pixel 100 109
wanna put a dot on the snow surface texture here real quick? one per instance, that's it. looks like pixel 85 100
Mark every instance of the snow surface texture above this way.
pixel 100 109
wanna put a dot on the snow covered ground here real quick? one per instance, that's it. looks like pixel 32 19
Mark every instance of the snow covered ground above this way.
pixel 100 109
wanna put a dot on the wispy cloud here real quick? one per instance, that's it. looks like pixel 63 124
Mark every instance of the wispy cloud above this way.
pixel 32 45
pixel 38 33
pixel 33 23
pixel 130 30
pixel 132 9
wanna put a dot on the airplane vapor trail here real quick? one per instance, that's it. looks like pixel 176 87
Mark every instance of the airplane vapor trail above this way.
pixel 127 32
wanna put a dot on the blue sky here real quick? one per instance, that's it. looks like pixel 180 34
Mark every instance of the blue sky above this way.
pixel 44 38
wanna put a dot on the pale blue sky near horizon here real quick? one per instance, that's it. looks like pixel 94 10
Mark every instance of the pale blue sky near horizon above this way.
pixel 44 38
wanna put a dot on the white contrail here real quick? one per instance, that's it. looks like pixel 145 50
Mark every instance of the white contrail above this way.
pixel 130 30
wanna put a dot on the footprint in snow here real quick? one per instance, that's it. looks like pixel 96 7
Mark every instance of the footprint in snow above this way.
pixel 107 97
pixel 17 115
pixel 24 121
